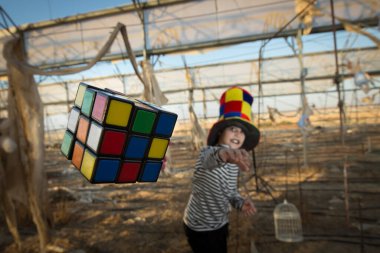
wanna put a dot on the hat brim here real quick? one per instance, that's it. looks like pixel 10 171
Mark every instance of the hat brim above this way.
pixel 252 134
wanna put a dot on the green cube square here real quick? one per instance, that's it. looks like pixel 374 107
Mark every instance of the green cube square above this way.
pixel 143 121
pixel 88 101
pixel 67 145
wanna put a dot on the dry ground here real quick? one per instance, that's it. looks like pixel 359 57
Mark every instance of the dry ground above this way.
pixel 146 217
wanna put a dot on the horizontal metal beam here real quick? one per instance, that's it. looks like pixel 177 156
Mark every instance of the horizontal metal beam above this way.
pixel 211 44
pixel 252 38
pixel 327 77
pixel 71 102
pixel 362 49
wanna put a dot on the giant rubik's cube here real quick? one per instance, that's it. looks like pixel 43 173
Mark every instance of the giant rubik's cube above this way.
pixel 111 138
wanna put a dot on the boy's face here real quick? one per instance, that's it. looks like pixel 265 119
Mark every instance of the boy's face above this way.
pixel 232 136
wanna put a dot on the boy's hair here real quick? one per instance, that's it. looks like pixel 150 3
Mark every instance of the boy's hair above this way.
pixel 233 123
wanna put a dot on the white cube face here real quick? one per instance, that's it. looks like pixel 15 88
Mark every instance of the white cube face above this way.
pixel 94 136
pixel 73 120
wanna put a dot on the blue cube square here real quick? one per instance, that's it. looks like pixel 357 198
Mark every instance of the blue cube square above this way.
pixel 136 147
pixel 150 171
pixel 106 170
pixel 165 124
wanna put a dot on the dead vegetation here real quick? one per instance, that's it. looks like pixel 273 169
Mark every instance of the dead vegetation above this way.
pixel 146 217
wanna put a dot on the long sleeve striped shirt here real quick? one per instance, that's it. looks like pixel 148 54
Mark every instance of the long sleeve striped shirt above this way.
pixel 214 190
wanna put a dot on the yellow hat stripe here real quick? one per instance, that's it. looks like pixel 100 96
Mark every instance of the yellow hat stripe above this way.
pixel 246 109
pixel 234 94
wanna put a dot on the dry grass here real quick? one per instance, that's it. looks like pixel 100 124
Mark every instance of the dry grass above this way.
pixel 144 218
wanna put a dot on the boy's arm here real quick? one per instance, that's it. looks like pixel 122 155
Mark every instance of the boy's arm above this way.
pixel 240 157
pixel 236 201
pixel 213 157
pixel 210 158
pixel 244 205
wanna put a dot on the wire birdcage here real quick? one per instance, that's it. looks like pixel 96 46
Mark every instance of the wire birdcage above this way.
pixel 287 223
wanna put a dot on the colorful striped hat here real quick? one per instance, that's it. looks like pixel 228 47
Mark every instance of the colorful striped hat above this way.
pixel 235 110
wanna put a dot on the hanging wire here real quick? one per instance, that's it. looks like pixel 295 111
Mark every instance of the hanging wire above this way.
pixel 264 43
pixel 260 98
pixel 259 103
pixel 261 50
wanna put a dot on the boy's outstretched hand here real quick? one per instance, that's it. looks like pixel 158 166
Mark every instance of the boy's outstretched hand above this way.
pixel 240 157
pixel 248 207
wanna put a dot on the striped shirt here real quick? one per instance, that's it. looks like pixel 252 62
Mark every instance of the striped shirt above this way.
pixel 214 190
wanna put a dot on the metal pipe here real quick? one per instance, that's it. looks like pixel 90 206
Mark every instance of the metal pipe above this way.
pixel 337 76
pixel 346 193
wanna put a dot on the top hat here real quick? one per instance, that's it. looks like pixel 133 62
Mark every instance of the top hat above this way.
pixel 235 110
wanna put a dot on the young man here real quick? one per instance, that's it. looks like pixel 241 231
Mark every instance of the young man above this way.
pixel 214 186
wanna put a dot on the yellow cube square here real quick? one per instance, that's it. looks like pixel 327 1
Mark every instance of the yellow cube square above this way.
pixel 158 148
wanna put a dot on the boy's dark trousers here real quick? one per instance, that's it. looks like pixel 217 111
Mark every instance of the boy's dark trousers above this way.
pixel 214 241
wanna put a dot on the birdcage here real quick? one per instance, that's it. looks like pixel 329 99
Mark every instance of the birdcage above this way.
pixel 287 222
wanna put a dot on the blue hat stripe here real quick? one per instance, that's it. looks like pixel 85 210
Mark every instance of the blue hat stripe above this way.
pixel 232 114
pixel 221 110
pixel 247 97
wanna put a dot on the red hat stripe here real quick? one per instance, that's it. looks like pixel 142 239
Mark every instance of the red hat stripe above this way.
pixel 223 98
pixel 233 106
pixel 244 116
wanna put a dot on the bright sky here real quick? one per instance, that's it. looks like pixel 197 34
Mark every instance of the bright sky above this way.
pixel 31 11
